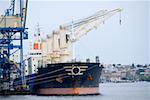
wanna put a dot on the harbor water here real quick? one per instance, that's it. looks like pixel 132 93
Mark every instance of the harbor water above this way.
pixel 109 91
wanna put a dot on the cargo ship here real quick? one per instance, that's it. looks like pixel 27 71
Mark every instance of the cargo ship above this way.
pixel 59 77
pixel 68 79
pixel 79 78
pixel 52 73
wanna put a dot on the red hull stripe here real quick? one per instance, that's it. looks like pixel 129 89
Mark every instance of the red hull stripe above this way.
pixel 69 91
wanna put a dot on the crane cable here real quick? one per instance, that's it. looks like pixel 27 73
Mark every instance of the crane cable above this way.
pixel 36 83
pixel 40 79
pixel 44 74
pixel 92 18
pixel 120 21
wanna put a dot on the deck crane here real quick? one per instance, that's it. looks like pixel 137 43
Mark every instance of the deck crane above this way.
pixel 83 26
pixel 12 30
pixel 69 33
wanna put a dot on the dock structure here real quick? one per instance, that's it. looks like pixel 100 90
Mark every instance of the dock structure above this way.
pixel 12 34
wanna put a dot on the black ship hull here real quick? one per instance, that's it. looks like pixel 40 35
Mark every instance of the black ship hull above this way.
pixel 66 79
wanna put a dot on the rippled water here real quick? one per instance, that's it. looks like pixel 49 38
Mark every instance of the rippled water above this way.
pixel 109 91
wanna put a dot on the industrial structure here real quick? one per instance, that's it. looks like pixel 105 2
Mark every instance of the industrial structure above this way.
pixel 12 33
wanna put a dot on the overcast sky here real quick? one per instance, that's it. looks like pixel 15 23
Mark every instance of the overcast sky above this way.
pixel 113 43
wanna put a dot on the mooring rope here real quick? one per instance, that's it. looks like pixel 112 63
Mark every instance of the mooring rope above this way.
pixel 42 74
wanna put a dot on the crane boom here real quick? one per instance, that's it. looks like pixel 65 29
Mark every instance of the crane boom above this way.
pixel 69 33
pixel 83 26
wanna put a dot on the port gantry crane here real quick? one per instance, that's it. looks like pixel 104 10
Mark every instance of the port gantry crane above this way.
pixel 12 33
pixel 60 41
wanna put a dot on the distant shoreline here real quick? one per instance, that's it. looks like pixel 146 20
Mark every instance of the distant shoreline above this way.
pixel 127 82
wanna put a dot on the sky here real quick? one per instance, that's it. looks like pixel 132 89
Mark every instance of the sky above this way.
pixel 113 43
